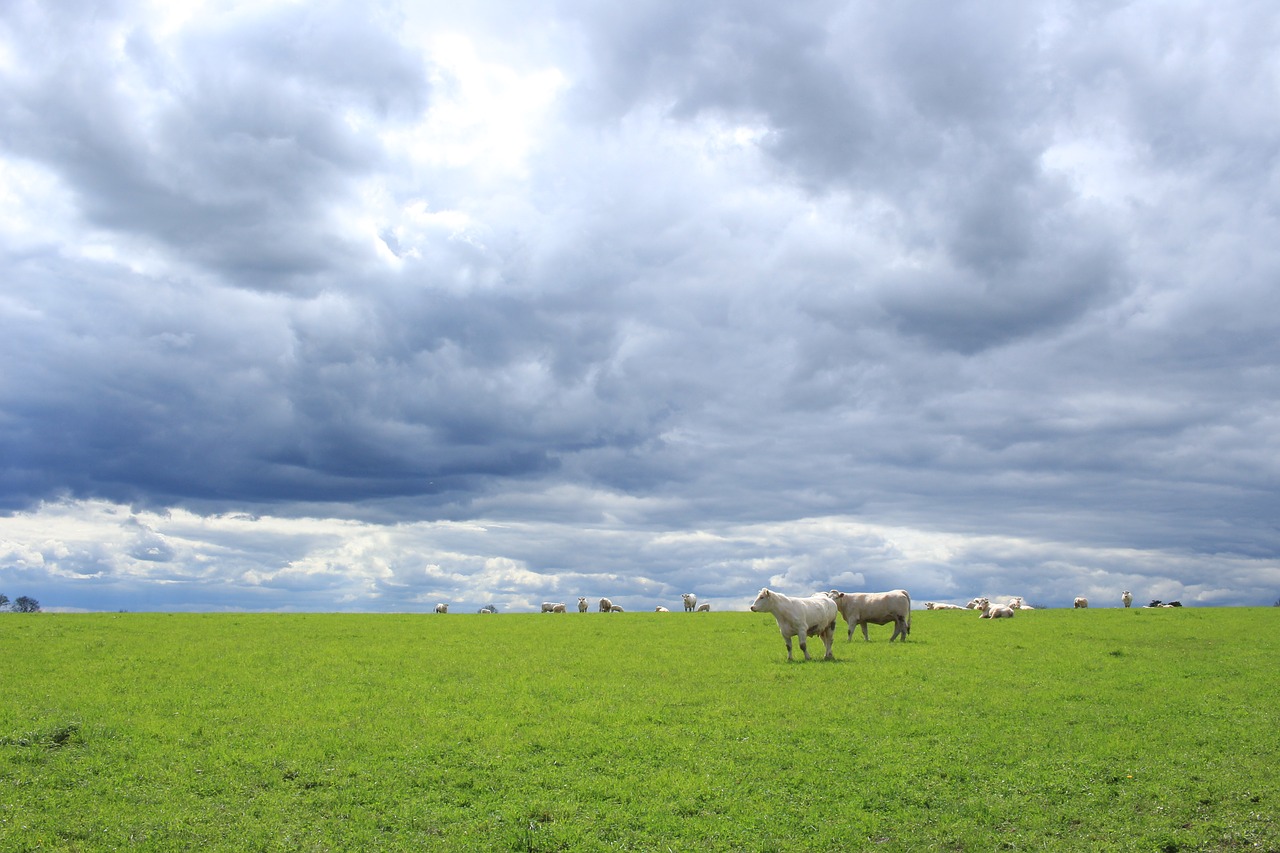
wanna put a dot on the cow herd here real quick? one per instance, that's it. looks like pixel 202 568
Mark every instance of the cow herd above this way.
pixel 689 600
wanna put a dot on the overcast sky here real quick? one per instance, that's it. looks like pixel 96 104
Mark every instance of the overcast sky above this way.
pixel 365 306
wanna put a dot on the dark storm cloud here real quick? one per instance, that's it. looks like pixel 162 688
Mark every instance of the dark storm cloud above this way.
pixel 650 296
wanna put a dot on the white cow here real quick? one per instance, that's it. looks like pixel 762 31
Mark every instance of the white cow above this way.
pixel 486 609
pixel 704 608
pixel 559 608
pixel 660 609
pixel 999 611
pixel 800 617
pixel 690 601
pixel 875 608
pixel 934 605
pixel 550 607
pixel 605 605
pixel 442 608
pixel 1127 598
pixel 1081 602
pixel 582 605
pixel 974 604
pixel 613 608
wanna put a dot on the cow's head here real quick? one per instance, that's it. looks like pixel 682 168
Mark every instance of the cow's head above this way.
pixel 762 601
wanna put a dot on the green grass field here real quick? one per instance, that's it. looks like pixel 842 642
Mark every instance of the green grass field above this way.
pixel 1057 730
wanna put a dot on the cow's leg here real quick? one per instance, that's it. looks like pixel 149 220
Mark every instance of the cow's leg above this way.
pixel 828 637
pixel 804 647
pixel 864 632
pixel 788 640
pixel 897 629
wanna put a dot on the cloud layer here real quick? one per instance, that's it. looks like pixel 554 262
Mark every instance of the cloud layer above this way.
pixel 354 306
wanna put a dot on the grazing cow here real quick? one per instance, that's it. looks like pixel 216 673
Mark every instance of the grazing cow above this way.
pixel 1127 598
pixel 690 601
pixel 613 608
pixel 660 609
pixel 875 608
pixel 605 605
pixel 582 605
pixel 559 608
pixel 800 617
pixel 442 608
pixel 550 607
pixel 704 608
pixel 1081 603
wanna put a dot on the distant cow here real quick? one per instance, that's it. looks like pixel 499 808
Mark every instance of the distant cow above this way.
pixel 1158 603
pixel 487 609
pixel 800 617
pixel 442 608
pixel 875 608
pixel 550 607
pixel 582 605
pixel 559 608
pixel 613 608
pixel 660 609
pixel 935 605
pixel 690 602
pixel 704 608
pixel 1127 598
pixel 1081 603
pixel 605 605
pixel 974 604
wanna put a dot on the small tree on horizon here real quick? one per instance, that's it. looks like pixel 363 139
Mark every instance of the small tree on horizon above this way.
pixel 4 600
pixel 26 604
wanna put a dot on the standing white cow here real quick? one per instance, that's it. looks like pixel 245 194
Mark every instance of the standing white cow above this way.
pixel 814 616
pixel 875 608
pixel 582 605
pixel 1127 598
pixel 690 602
pixel 442 608
pixel 1081 603
pixel 605 605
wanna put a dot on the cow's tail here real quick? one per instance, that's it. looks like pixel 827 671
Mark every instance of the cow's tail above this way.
pixel 908 613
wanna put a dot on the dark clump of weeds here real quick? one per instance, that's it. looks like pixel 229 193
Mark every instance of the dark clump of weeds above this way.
pixel 50 737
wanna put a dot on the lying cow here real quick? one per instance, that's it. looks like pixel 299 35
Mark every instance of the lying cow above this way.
pixel 937 605
pixel 800 617
pixel 1081 603
pixel 999 611
pixel 550 607
pixel 442 608
pixel 875 608
pixel 660 609
pixel 704 608
pixel 614 608
pixel 690 601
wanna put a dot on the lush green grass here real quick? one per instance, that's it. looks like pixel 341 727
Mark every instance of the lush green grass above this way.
pixel 1102 730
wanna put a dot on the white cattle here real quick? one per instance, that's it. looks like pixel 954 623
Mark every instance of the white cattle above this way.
pixel 442 608
pixel 690 602
pixel 999 611
pixel 550 607
pixel 487 609
pixel 875 608
pixel 974 604
pixel 613 608
pixel 559 608
pixel 1127 598
pixel 582 605
pixel 605 605
pixel 800 617
pixel 934 605
pixel 660 609
pixel 704 608
pixel 1081 602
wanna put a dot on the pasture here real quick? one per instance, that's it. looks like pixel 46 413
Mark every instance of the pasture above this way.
pixel 1057 730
